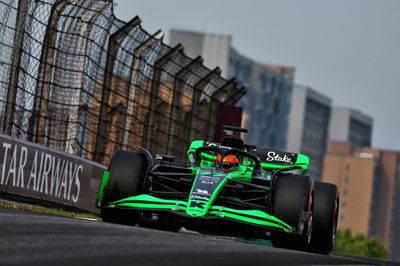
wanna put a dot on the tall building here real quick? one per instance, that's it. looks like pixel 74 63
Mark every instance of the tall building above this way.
pixel 214 48
pixel 352 126
pixel 309 118
pixel 369 185
pixel 267 102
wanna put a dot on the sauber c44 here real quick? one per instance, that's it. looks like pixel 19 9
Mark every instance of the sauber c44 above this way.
pixel 231 189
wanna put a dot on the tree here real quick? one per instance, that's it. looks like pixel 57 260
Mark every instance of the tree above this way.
pixel 359 245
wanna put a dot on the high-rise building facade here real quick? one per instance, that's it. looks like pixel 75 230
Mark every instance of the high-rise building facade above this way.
pixel 309 118
pixel 352 126
pixel 214 48
pixel 369 185
pixel 266 105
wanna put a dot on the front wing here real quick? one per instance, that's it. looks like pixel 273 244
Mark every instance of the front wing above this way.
pixel 258 218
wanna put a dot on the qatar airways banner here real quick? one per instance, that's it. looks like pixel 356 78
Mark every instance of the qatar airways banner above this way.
pixel 42 173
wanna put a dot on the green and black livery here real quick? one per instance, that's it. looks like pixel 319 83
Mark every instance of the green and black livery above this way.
pixel 261 197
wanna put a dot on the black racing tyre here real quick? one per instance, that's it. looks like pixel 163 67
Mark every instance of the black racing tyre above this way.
pixel 292 197
pixel 127 177
pixel 325 216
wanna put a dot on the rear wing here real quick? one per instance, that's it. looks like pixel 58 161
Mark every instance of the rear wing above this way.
pixel 274 160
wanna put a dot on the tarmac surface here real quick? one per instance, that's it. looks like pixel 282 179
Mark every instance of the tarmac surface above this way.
pixel 29 238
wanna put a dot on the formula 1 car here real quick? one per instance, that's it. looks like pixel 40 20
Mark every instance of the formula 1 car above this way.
pixel 230 189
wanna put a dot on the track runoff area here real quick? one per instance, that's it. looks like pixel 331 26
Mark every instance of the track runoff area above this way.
pixel 30 238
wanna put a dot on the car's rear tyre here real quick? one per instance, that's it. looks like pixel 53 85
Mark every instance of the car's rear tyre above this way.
pixel 127 177
pixel 292 199
pixel 325 215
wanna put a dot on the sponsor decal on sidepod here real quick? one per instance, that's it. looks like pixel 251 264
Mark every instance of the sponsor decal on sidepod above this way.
pixel 275 157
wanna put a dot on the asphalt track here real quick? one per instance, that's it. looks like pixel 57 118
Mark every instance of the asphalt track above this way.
pixel 29 238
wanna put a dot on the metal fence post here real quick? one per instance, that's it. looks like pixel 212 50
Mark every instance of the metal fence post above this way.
pixel 180 77
pixel 133 80
pixel 198 89
pixel 235 97
pixel 87 18
pixel 50 42
pixel 23 6
pixel 149 127
pixel 104 105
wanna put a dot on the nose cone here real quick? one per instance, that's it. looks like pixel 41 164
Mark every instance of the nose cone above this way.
pixel 195 213
pixel 197 208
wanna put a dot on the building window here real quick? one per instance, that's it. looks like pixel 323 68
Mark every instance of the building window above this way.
pixel 272 140
pixel 264 80
pixel 237 68
pixel 276 105
pixel 346 174
pixel 265 98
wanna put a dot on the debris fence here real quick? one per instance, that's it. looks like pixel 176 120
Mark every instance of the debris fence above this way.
pixel 75 78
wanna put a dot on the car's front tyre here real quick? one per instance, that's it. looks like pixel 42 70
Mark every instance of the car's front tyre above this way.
pixel 325 214
pixel 293 203
pixel 127 177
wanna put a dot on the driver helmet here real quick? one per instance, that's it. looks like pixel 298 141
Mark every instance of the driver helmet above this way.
pixel 230 162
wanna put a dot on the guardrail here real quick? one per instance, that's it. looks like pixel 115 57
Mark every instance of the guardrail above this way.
pixel 42 173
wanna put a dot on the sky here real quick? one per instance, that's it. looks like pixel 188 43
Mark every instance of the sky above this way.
pixel 348 50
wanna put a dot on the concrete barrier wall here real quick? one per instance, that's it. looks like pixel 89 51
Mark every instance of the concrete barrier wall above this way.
pixel 42 173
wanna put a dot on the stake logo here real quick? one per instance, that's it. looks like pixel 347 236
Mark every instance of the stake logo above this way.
pixel 275 157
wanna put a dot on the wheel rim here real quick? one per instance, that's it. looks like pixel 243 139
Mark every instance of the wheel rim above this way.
pixel 335 219
pixel 309 231
pixel 309 220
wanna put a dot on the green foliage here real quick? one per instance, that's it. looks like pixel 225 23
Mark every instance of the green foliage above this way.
pixel 359 245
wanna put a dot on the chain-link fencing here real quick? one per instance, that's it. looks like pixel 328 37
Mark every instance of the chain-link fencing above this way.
pixel 76 78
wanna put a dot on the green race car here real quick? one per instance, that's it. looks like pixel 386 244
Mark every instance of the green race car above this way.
pixel 230 189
